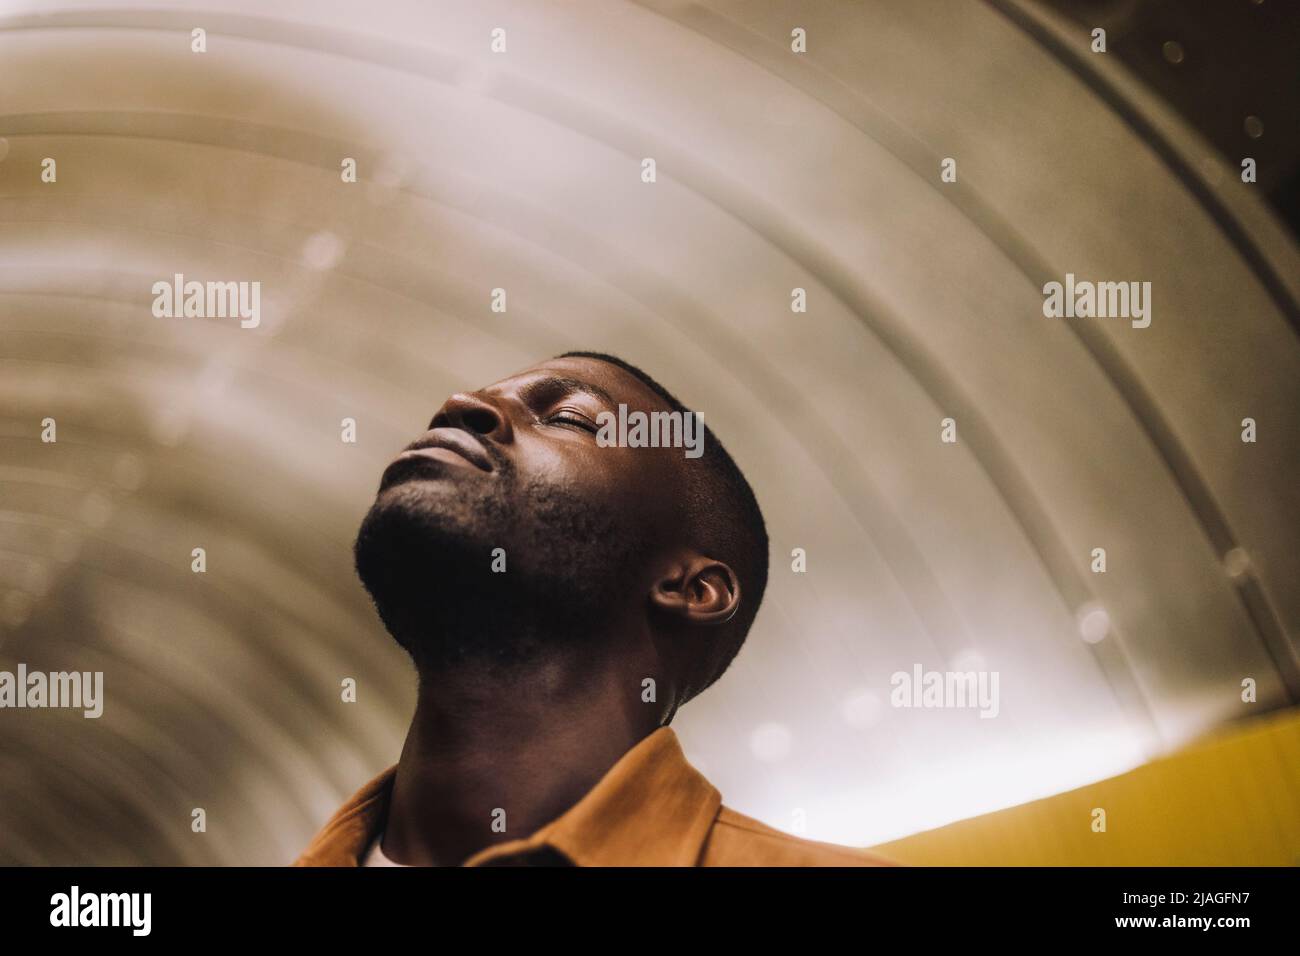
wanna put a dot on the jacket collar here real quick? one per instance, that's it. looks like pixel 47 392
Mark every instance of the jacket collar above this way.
pixel 652 808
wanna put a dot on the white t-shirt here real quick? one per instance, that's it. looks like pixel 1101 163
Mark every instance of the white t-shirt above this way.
pixel 375 855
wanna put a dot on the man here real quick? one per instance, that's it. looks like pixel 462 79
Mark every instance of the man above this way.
pixel 563 586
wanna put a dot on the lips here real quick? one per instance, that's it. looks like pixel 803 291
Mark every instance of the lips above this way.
pixel 447 446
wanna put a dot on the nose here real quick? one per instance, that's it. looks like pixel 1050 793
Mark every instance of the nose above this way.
pixel 473 413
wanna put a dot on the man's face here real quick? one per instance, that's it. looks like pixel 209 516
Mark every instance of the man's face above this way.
pixel 515 466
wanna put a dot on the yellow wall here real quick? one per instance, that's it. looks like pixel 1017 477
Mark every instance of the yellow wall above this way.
pixel 1231 800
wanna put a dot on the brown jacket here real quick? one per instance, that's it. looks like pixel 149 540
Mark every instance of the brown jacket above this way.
pixel 651 808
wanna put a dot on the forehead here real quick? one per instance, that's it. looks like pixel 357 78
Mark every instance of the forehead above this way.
pixel 621 386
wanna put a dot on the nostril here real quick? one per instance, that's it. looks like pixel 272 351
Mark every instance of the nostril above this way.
pixel 481 420
pixel 469 412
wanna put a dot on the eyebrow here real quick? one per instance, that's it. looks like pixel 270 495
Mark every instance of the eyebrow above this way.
pixel 551 387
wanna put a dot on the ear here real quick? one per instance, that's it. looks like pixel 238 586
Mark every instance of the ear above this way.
pixel 698 590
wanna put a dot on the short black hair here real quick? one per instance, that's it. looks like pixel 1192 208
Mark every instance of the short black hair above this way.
pixel 727 521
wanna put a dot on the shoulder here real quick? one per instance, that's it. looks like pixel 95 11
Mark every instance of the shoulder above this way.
pixel 350 831
pixel 738 840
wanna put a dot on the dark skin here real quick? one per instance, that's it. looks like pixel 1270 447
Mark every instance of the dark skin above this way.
pixel 533 744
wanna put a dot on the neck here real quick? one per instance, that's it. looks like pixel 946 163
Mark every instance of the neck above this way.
pixel 531 746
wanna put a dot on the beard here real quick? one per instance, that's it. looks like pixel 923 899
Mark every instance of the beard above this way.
pixel 425 553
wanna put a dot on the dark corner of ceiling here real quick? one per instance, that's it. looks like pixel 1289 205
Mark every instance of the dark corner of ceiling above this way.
pixel 1230 67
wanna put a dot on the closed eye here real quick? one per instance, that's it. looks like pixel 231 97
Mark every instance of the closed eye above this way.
pixel 573 421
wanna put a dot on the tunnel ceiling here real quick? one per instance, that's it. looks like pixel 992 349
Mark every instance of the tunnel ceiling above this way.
pixel 776 171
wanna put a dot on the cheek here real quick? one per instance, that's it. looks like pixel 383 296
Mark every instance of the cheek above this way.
pixel 633 482
pixel 644 483
pixel 560 464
